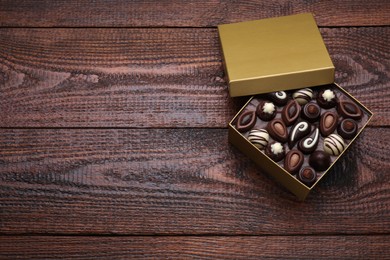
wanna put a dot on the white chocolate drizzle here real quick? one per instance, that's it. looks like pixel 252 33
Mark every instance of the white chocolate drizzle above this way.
pixel 277 148
pixel 301 126
pixel 308 143
pixel 281 95
pixel 328 95
pixel 269 108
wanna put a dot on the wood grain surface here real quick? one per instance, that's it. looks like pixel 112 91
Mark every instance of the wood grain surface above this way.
pixel 178 181
pixel 166 77
pixel 210 247
pixel 119 13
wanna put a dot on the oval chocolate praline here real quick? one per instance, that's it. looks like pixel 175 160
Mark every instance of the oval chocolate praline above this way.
pixel 328 123
pixel 293 161
pixel 290 112
pixel 334 144
pixel 327 98
pixel 303 96
pixel 246 121
pixel 279 97
pixel 311 112
pixel 347 128
pixel 298 131
pixel 309 143
pixel 266 110
pixel 349 109
pixel 275 151
pixel 319 160
pixel 259 138
pixel 277 130
pixel 307 176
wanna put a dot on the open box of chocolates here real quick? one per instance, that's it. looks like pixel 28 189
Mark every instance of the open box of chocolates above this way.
pixel 298 122
pixel 303 132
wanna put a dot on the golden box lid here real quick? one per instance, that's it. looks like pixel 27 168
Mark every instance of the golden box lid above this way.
pixel 274 54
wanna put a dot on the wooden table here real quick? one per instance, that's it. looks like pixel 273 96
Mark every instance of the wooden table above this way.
pixel 113 139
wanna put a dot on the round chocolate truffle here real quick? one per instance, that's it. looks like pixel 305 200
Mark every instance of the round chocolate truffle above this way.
pixel 319 160
pixel 334 144
pixel 311 112
pixel 266 110
pixel 327 98
pixel 307 176
pixel 279 98
pixel 246 121
pixel 303 96
pixel 259 138
pixel 347 128
pixel 275 151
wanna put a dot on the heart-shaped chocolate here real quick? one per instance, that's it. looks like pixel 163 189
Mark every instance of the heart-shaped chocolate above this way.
pixel 290 112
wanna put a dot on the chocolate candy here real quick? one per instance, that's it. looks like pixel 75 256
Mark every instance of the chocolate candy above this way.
pixel 246 121
pixel 349 109
pixel 299 130
pixel 277 130
pixel 319 160
pixel 266 110
pixel 327 98
pixel 275 151
pixel 347 128
pixel 303 96
pixel 290 113
pixel 259 138
pixel 307 176
pixel 311 112
pixel 328 123
pixel 334 144
pixel 293 161
pixel 279 97
pixel 310 142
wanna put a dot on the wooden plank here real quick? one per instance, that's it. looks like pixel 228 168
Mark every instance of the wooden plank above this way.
pixel 178 181
pixel 181 247
pixel 154 77
pixel 185 13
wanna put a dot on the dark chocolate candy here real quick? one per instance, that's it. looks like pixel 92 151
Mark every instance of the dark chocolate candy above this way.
pixel 275 151
pixel 327 98
pixel 349 109
pixel 303 96
pixel 334 144
pixel 307 176
pixel 309 143
pixel 279 98
pixel 293 161
pixel 290 112
pixel 347 128
pixel 328 123
pixel 311 112
pixel 319 160
pixel 277 130
pixel 266 110
pixel 246 121
pixel 298 131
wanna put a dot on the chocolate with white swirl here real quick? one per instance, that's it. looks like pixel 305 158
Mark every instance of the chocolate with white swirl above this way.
pixel 309 143
pixel 259 138
pixel 299 130
pixel 279 98
pixel 334 144
pixel 303 96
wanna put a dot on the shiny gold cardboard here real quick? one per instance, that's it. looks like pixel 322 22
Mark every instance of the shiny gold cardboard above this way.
pixel 274 54
pixel 273 169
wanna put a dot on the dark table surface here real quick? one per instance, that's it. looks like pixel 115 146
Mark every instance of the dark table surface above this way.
pixel 113 136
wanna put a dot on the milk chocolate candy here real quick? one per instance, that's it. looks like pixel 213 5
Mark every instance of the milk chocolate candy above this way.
pixel 307 176
pixel 328 123
pixel 327 98
pixel 279 98
pixel 334 144
pixel 293 161
pixel 277 130
pixel 349 109
pixel 299 130
pixel 309 143
pixel 259 138
pixel 266 110
pixel 290 112
pixel 347 128
pixel 246 121
pixel 319 160
pixel 303 96
pixel 275 151
pixel 311 112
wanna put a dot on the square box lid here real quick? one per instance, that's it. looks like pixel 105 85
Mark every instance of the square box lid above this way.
pixel 274 54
